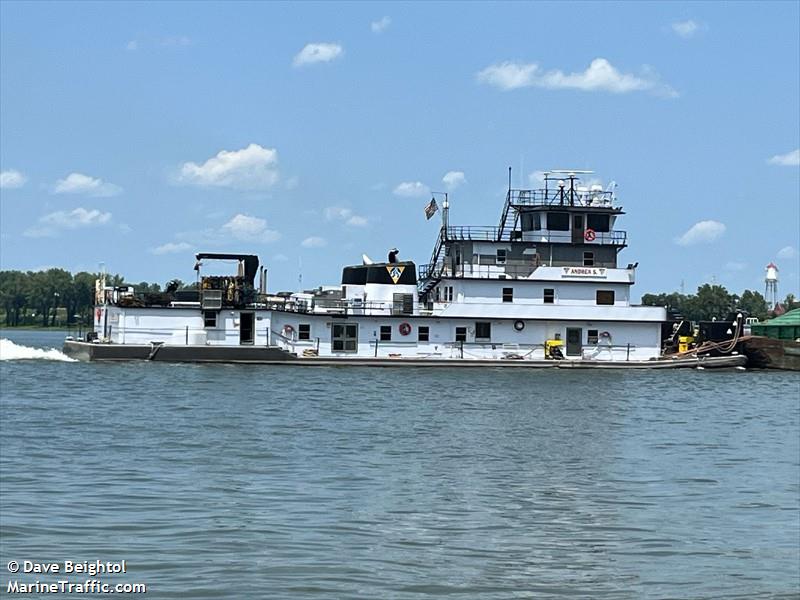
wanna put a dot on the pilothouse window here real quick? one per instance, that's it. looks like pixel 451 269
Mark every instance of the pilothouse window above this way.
pixel 558 221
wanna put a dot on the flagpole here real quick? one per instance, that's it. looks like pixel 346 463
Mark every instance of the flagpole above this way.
pixel 445 210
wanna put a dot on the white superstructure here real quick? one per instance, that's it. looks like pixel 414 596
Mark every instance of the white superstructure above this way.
pixel 542 284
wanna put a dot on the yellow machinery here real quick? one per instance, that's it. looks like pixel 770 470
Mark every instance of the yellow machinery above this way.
pixel 553 349
pixel 684 341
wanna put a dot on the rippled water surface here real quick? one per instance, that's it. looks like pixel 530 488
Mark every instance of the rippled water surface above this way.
pixel 255 482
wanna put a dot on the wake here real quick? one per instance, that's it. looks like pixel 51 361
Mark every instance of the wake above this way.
pixel 11 351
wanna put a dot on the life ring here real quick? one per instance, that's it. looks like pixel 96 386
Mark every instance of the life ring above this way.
pixel 605 334
pixel 589 235
pixel 404 328
pixel 98 313
pixel 288 330
pixel 519 325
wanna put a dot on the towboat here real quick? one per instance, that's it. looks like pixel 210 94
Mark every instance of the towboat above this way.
pixel 542 288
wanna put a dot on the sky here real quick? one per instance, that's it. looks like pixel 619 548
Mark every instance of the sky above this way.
pixel 136 134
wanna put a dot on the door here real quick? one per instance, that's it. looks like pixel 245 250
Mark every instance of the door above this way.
pixel 246 322
pixel 574 337
pixel 577 229
pixel 344 337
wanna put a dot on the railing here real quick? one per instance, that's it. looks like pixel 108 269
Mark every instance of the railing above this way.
pixel 469 232
pixel 610 238
pixel 444 269
pixel 493 234
pixel 346 307
pixel 560 197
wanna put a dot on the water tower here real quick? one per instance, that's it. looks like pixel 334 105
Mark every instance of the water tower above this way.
pixel 771 289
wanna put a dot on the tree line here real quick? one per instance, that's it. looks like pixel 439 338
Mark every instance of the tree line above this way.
pixel 56 297
pixel 715 302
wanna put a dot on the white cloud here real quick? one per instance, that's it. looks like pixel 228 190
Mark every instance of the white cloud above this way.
pixel 78 183
pixel 334 213
pixel 251 168
pixel 453 179
pixel 50 224
pixel 380 25
pixel 536 177
pixel 509 75
pixel 790 159
pixel 12 179
pixel 703 232
pixel 600 75
pixel 313 242
pixel 685 29
pixel 171 248
pixel 787 252
pixel 412 189
pixel 316 53
pixel 337 213
pixel 280 258
pixel 250 229
pixel 132 45
pixel 735 266
pixel 357 221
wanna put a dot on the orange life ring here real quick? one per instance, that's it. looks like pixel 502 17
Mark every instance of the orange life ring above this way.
pixel 589 235
pixel 405 328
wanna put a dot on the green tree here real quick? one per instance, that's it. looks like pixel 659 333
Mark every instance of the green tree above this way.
pixel 754 303
pixel 13 296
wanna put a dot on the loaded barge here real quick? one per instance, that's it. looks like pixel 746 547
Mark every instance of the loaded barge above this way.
pixel 542 289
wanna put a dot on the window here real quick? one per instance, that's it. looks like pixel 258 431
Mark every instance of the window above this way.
pixel 605 297
pixel 447 293
pixel 558 221
pixel 461 334
pixel 537 222
pixel 577 222
pixel 508 294
pixel 531 221
pixel 483 330
pixel 344 337
pixel 209 318
pixel 423 332
pixel 386 333
pixel 549 296
pixel 599 223
pixel 501 256
pixel 304 331
pixel 588 259
pixel 403 304
pixel 592 336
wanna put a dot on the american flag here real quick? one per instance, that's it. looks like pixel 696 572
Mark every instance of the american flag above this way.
pixel 431 209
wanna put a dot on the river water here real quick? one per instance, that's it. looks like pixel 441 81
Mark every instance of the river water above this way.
pixel 218 481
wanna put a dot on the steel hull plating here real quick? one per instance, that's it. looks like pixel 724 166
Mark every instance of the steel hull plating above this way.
pixel 274 356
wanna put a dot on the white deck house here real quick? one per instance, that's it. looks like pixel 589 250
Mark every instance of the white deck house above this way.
pixel 546 276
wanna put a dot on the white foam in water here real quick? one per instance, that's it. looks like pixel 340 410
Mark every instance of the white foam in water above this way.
pixel 11 351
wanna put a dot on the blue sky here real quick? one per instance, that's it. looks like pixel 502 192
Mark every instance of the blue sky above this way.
pixel 136 134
